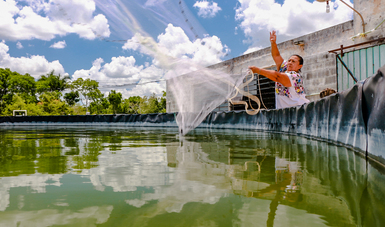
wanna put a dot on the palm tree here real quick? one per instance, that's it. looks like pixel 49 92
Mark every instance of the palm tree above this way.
pixel 52 82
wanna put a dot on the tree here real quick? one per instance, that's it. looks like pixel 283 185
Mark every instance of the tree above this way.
pixel 52 105
pixel 5 94
pixel 131 105
pixel 72 98
pixel 163 103
pixel 52 82
pixel 87 89
pixel 115 99
pixel 18 103
pixel 12 83
pixel 24 86
pixel 150 105
pixel 99 104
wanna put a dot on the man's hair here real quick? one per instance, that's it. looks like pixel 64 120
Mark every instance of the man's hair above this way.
pixel 300 58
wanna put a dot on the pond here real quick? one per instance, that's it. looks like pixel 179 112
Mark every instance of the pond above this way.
pixel 98 176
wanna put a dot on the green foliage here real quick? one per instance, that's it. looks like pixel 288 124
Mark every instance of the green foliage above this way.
pixel 12 83
pixel 52 82
pixel 79 110
pixel 24 86
pixel 5 94
pixel 151 104
pixel 131 105
pixel 72 98
pixel 100 106
pixel 87 88
pixel 18 103
pixel 18 92
pixel 115 99
pixel 52 105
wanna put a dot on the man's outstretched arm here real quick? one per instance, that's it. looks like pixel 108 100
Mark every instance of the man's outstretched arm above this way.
pixel 274 50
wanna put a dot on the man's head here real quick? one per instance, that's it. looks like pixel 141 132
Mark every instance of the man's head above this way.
pixel 295 63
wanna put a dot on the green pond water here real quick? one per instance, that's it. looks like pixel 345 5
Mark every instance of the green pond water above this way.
pixel 76 176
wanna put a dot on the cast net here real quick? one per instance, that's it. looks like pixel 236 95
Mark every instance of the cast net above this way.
pixel 195 90
pixel 197 93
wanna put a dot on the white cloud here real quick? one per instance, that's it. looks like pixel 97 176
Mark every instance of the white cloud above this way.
pixel 19 45
pixel 205 51
pixel 252 49
pixel 291 19
pixel 34 65
pixel 42 20
pixel 59 45
pixel 207 9
pixel 175 43
pixel 122 75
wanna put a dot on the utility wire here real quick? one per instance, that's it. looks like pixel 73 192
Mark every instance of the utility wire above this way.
pixel 132 84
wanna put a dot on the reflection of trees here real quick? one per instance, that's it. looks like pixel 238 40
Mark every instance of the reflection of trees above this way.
pixel 88 157
pixel 54 150
pixel 50 159
pixel 17 153
pixel 23 152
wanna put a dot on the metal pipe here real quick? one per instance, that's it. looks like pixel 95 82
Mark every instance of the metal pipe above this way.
pixel 358 44
pixel 363 23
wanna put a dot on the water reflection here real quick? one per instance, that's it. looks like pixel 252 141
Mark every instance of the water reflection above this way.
pixel 112 177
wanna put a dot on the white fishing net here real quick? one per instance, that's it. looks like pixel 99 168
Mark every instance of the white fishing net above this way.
pixel 196 90
pixel 198 93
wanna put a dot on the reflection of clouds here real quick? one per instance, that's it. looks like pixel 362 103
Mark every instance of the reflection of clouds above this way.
pixel 37 182
pixel 89 216
pixel 128 169
pixel 195 179
pixel 136 202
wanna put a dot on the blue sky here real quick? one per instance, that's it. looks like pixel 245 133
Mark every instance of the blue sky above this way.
pixel 79 37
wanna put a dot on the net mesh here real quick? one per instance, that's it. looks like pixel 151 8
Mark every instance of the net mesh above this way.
pixel 198 93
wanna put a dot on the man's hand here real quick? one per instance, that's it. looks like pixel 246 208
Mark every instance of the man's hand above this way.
pixel 255 69
pixel 273 37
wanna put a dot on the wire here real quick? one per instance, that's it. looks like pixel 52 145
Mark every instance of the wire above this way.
pixel 132 84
